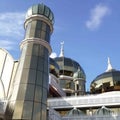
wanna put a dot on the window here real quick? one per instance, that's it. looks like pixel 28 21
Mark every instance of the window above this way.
pixel 27 110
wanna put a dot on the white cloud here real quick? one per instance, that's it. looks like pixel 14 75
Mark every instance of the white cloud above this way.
pixel 97 15
pixel 53 55
pixel 11 24
pixel 11 29
pixel 6 44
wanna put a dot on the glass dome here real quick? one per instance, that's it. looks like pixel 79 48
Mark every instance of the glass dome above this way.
pixel 54 68
pixel 105 82
pixel 75 112
pixel 78 74
pixel 70 65
pixel 40 9
pixel 103 111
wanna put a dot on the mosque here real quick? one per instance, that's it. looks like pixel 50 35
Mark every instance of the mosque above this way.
pixel 37 87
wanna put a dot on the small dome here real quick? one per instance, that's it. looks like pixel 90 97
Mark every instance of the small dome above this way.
pixel 103 111
pixel 106 82
pixel 75 112
pixel 113 74
pixel 40 9
pixel 78 74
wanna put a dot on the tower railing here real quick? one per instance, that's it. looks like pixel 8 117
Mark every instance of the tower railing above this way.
pixel 53 115
pixel 86 101
pixel 95 117
pixel 52 82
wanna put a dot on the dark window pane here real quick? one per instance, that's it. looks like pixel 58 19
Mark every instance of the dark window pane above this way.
pixel 46 11
pixel 37 111
pixel 39 78
pixel 35 49
pixel 27 111
pixel 22 91
pixel 29 92
pixel 35 9
pixel 44 97
pixel 28 30
pixel 33 29
pixel 43 35
pixel 44 112
pixel 38 93
pixel 40 64
pixel 44 26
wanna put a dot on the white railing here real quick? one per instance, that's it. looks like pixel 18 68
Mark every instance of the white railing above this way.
pixel 97 117
pixel 53 115
pixel 54 84
pixel 85 101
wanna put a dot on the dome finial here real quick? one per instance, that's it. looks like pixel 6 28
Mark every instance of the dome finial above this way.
pixel 109 67
pixel 62 49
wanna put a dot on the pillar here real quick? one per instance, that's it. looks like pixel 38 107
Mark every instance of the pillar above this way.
pixel 29 97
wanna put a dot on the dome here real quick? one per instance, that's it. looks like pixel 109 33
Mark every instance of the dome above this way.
pixel 54 68
pixel 103 111
pixel 75 112
pixel 115 75
pixel 107 81
pixel 40 9
pixel 77 74
pixel 70 65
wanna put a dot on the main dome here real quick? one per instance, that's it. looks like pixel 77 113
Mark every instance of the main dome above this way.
pixel 69 65
pixel 40 9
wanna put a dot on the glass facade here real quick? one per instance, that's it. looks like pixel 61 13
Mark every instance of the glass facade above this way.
pixel 107 81
pixel 54 68
pixel 41 9
pixel 68 68
pixel 38 29
pixel 30 88
pixel 33 86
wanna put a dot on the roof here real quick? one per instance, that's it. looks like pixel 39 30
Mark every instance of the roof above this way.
pixel 69 64
pixel 40 9
pixel 113 74
pixel 110 72
pixel 75 112
pixel 103 111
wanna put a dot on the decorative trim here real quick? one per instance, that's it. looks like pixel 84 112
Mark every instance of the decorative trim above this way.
pixel 38 41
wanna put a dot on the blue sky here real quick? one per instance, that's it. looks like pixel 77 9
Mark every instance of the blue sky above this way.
pixel 90 30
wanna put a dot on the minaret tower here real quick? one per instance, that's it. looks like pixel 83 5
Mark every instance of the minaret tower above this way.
pixel 29 97
pixel 62 49
pixel 109 67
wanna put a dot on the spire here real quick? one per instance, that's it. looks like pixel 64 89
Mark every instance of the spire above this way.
pixel 62 49
pixel 109 67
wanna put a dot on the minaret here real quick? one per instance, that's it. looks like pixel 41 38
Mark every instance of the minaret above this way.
pixel 109 67
pixel 62 49
pixel 29 97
